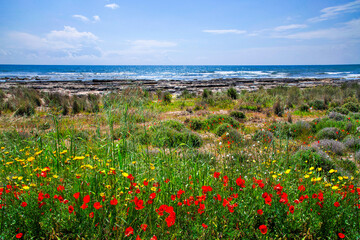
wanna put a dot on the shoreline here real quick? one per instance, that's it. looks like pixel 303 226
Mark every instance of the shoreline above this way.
pixel 74 87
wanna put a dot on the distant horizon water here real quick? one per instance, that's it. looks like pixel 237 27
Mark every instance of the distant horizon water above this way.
pixel 174 72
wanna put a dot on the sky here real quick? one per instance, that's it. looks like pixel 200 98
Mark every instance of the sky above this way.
pixel 187 32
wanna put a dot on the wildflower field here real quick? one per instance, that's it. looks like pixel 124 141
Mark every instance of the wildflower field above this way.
pixel 272 164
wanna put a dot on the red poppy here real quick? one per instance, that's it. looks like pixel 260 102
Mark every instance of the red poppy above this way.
pixel 337 204
pixel 260 212
pixel 152 195
pixel 341 235
pixel 204 225
pixel 139 203
pixel 76 195
pixel 240 182
pixel 114 201
pixel 145 183
pixel 60 188
pixel 138 238
pixel 97 205
pixel 84 206
pixel 91 215
pixel 23 204
pixel 263 229
pixel 71 209
pixel 216 174
pixel 143 227
pixel 19 235
pixel 153 238
pixel 291 209
pixel 129 231
pixel 86 199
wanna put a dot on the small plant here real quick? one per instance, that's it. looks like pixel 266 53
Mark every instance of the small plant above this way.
pixel 278 110
pixel 330 133
pixel 167 98
pixel 304 108
pixel 207 93
pixel 263 135
pixel 238 115
pixel 231 92
pixel 333 146
pixel 25 110
pixel 318 105
pixel 351 106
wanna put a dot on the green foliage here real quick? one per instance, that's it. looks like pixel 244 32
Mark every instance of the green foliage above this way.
pixel 178 126
pixel 304 108
pixel 25 110
pixel 206 93
pixel 197 124
pixel 278 109
pixel 238 115
pixel 318 105
pixel 231 92
pixel 351 106
pixel 167 98
pixel 330 133
pixel 263 136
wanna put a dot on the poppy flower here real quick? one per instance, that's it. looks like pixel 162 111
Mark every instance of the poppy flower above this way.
pixel 71 209
pixel 114 201
pixel 129 231
pixel 153 238
pixel 291 209
pixel 260 212
pixel 263 229
pixel 337 204
pixel 19 235
pixel 97 205
pixel 152 195
pixel 204 225
pixel 143 227
pixel 138 237
pixel 23 204
pixel 76 195
pixel 216 174
pixel 86 199
pixel 84 206
pixel 341 235
pixel 91 215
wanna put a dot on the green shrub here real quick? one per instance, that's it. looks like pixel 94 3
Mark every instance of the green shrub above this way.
pixel 232 137
pixel 214 120
pixel 351 106
pixel 207 93
pixel 197 124
pixel 330 133
pixel 168 137
pixel 263 135
pixel 25 110
pixel 167 98
pixel 278 110
pixel 178 126
pixel 238 115
pixel 231 92
pixel 318 105
pixel 75 107
pixel 341 110
pixel 311 157
pixel 221 129
pixel 304 108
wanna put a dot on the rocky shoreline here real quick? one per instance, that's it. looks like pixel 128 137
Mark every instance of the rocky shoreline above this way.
pixel 172 86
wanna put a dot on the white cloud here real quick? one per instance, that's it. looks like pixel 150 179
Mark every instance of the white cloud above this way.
pixel 81 17
pixel 96 18
pixel 350 30
pixel 68 42
pixel 289 27
pixel 331 12
pixel 225 31
pixel 112 5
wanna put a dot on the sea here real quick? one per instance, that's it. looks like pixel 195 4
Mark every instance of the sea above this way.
pixel 173 72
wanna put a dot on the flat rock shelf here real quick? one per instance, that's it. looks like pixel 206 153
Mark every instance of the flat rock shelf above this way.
pixel 172 86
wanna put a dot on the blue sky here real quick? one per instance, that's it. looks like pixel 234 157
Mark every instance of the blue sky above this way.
pixel 193 32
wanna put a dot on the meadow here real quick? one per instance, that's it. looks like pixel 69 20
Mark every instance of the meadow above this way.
pixel 279 163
